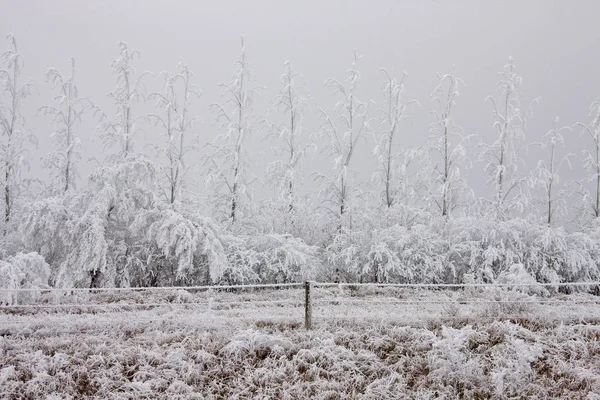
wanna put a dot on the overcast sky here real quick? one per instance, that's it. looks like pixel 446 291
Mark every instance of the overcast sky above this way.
pixel 554 43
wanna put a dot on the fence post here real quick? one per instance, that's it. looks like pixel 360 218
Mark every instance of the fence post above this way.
pixel 307 305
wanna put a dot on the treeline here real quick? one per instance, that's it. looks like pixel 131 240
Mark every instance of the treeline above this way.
pixel 186 211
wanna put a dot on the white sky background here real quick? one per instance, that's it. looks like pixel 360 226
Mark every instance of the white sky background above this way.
pixel 554 43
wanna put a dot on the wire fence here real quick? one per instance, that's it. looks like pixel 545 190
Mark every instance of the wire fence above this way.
pixel 154 289
pixel 312 303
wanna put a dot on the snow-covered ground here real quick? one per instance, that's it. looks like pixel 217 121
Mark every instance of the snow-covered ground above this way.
pixel 369 343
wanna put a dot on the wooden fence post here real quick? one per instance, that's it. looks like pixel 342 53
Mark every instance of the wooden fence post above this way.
pixel 307 305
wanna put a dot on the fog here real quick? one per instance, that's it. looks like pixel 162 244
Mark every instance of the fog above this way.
pixel 553 43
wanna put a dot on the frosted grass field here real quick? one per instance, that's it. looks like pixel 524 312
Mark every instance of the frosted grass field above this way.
pixel 367 343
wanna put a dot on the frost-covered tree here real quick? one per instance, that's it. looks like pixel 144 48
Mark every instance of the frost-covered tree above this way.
pixel 13 133
pixel 269 258
pixel 121 129
pixel 591 158
pixel 289 211
pixel 342 139
pixel 86 236
pixel 227 161
pixel 447 156
pixel 489 248
pixel 503 157
pixel 46 226
pixel 390 165
pixel 177 124
pixel 293 101
pixel 117 232
pixel 392 254
pixel 22 271
pixel 66 115
pixel 547 171
pixel 101 253
pixel 179 248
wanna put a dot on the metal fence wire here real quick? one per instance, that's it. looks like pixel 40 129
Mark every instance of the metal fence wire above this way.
pixel 315 303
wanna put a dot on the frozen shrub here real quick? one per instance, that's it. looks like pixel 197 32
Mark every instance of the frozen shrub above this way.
pixel 394 254
pixel 252 343
pixel 486 249
pixel 282 258
pixel 6 374
pixel 388 387
pixel 452 360
pixel 516 275
pixel 512 374
pixel 178 248
pixel 23 271
pixel 269 258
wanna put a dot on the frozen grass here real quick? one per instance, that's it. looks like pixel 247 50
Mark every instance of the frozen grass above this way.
pixel 367 344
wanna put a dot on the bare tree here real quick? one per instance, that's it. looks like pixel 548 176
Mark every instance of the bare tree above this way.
pixel 389 158
pixel 342 140
pixel 13 132
pixel 446 150
pixel 66 115
pixel 128 90
pixel 227 160
pixel 178 92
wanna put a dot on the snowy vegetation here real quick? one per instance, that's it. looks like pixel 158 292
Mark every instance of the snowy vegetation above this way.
pixel 190 207
pixel 188 348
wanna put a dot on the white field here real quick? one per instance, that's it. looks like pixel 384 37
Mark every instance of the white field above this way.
pixel 370 343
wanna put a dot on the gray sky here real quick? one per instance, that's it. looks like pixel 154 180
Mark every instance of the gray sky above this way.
pixel 554 44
